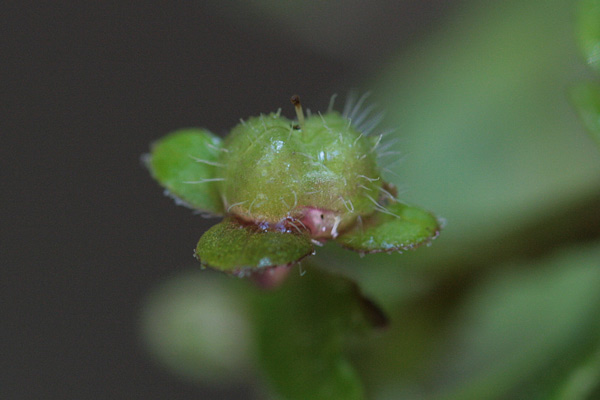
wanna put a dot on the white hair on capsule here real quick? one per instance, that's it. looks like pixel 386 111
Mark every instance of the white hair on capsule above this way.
pixel 365 118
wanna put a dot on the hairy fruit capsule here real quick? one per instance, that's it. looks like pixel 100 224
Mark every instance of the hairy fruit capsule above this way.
pixel 319 176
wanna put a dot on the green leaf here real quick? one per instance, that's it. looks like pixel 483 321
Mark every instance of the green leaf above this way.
pixel 402 227
pixel 302 328
pixel 586 97
pixel 196 325
pixel 583 382
pixel 524 330
pixel 589 31
pixel 184 163
pixel 241 248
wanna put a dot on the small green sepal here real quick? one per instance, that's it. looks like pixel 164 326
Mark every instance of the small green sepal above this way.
pixel 240 249
pixel 185 163
pixel 400 227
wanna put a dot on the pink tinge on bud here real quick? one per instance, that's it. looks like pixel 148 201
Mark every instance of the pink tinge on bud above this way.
pixel 321 223
pixel 272 277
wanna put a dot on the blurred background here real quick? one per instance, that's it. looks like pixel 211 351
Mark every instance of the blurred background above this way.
pixel 99 284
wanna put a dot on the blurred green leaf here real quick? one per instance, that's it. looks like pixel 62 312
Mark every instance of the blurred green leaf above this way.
pixel 583 382
pixel 183 163
pixel 239 249
pixel 586 97
pixel 524 330
pixel 195 325
pixel 482 115
pixel 589 31
pixel 401 227
pixel 302 328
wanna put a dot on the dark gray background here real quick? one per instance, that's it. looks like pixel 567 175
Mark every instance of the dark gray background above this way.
pixel 85 231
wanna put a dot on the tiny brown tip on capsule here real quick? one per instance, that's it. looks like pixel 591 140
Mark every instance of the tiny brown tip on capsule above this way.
pixel 299 113
pixel 295 100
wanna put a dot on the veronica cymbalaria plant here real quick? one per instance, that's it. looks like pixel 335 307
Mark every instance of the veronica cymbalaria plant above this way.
pixel 285 186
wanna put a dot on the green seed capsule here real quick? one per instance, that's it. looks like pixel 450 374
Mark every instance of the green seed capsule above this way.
pixel 322 174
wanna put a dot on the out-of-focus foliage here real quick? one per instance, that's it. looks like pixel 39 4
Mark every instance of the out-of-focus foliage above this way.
pixel 195 325
pixel 588 31
pixel 302 329
pixel 523 328
pixel 489 137
pixel 199 327
pixel 583 380
pixel 586 97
